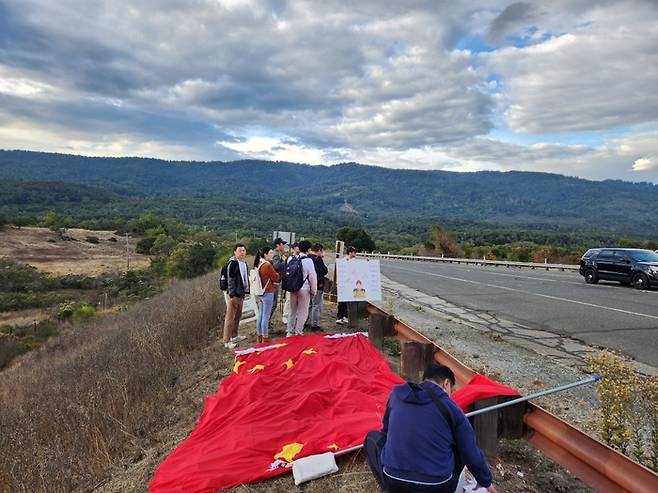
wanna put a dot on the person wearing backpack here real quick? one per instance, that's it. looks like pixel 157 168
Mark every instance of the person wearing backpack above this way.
pixel 234 276
pixel 321 271
pixel 265 284
pixel 301 282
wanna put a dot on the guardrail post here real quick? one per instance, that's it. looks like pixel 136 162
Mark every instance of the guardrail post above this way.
pixel 511 419
pixel 380 326
pixel 415 358
pixel 485 426
pixel 356 313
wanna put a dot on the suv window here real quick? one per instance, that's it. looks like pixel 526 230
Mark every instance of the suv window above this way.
pixel 621 255
pixel 591 252
pixel 644 256
pixel 604 255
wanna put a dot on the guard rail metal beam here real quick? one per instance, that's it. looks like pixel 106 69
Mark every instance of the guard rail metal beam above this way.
pixel 591 461
pixel 502 263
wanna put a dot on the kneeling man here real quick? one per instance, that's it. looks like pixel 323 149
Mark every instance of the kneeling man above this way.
pixel 426 440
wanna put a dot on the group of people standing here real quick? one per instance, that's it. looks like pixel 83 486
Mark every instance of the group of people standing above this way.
pixel 303 304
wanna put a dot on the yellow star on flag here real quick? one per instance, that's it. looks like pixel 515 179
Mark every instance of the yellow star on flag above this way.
pixel 237 366
pixel 333 446
pixel 257 368
pixel 310 351
pixel 288 452
pixel 289 364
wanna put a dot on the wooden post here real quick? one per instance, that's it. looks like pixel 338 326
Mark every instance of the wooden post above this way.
pixel 380 326
pixel 415 358
pixel 485 426
pixel 511 419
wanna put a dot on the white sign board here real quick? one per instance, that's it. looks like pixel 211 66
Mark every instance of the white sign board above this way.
pixel 286 236
pixel 358 279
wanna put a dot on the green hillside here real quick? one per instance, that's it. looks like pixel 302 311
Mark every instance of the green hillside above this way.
pixel 260 195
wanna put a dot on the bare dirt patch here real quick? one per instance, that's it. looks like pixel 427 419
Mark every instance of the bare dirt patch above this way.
pixel 70 252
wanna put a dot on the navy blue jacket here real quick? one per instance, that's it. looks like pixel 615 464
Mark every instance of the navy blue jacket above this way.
pixel 420 445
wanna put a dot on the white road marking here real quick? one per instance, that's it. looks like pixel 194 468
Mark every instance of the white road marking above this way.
pixel 557 298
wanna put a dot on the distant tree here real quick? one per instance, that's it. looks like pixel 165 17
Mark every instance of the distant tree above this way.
pixel 193 258
pixel 25 220
pixel 3 221
pixel 356 237
pixel 144 222
pixel 55 221
pixel 144 245
pixel 445 243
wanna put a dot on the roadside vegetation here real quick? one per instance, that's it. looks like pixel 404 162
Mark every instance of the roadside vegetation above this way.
pixel 85 399
pixel 628 412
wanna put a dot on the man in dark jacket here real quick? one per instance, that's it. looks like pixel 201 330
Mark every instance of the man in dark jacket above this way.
pixel 279 263
pixel 424 445
pixel 237 275
pixel 321 272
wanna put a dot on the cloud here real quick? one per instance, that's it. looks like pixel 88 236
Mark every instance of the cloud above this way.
pixel 514 15
pixel 645 164
pixel 599 76
pixel 402 84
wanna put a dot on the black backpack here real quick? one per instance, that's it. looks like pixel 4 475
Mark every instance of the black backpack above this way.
pixel 223 277
pixel 293 276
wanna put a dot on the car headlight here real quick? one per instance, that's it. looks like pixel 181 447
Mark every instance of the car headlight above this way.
pixel 653 270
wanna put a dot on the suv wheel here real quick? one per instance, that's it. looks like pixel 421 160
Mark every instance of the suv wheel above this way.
pixel 591 277
pixel 640 281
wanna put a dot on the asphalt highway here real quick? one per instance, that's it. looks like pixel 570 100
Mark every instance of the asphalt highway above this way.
pixel 606 314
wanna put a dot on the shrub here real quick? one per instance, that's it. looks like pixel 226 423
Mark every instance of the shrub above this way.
pixel 628 409
pixel 83 313
pixel 83 401
pixel 92 239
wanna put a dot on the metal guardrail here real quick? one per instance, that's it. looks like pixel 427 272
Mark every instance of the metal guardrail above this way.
pixel 502 263
pixel 591 461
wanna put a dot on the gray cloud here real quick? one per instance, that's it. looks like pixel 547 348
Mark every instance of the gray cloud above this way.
pixel 363 81
pixel 514 15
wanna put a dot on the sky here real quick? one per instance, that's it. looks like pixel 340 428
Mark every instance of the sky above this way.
pixel 567 87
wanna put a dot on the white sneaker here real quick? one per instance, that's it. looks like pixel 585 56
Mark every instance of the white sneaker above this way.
pixel 238 338
pixel 230 345
pixel 339 321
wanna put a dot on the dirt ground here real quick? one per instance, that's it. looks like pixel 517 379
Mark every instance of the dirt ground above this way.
pixel 518 468
pixel 70 253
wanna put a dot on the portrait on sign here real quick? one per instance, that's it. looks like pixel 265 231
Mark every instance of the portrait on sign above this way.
pixel 358 279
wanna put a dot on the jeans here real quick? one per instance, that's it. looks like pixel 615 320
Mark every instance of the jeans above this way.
pixel 316 309
pixel 277 288
pixel 262 324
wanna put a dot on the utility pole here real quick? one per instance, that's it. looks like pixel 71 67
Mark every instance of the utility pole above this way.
pixel 127 253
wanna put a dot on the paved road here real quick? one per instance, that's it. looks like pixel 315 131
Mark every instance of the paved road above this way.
pixel 605 314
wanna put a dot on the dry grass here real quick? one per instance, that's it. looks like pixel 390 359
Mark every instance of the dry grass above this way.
pixel 84 400
pixel 47 251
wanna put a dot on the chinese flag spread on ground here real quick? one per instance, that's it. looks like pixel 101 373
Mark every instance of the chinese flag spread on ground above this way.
pixel 309 395
pixel 305 395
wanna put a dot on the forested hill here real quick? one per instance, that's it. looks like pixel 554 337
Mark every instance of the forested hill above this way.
pixel 370 192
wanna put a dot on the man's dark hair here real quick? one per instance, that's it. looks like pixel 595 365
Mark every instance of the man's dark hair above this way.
pixel 304 245
pixel 317 247
pixel 439 373
pixel 238 245
pixel 351 249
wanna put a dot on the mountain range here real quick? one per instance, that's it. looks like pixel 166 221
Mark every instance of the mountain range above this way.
pixel 342 194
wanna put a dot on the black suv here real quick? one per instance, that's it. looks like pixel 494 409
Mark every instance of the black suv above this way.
pixel 626 265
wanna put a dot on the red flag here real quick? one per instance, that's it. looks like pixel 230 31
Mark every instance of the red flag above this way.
pixel 310 395
pixel 480 387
